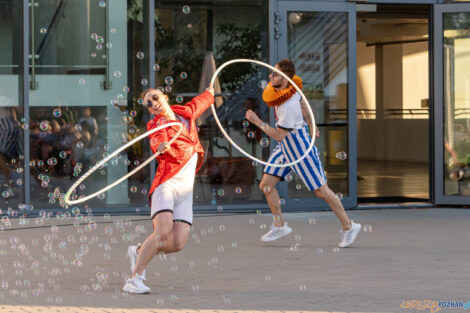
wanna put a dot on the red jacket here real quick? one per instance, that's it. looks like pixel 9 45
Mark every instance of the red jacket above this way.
pixel 183 148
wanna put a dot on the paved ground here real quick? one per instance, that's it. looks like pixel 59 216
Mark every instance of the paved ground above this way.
pixel 409 255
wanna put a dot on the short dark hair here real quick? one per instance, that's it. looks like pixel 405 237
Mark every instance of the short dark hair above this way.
pixel 287 67
pixel 146 91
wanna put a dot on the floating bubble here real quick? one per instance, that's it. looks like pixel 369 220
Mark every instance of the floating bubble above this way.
pixel 246 123
pixel 62 154
pixel 126 89
pixel 80 145
pixel 319 251
pixel 250 134
pixel 156 67
pixel 93 36
pixel 234 244
pixel 93 55
pixel 184 75
pixel 133 113
pixel 101 196
pixel 168 80
pixel 168 89
pixel 220 209
pixel 57 113
pixel 289 177
pixel 367 228
pixel 117 74
pixel 99 47
pixel 144 81
pixel 43 30
pixel 140 55
pixel 133 189
pixel 52 161
pixel 221 192
pixel 102 4
pixel 24 126
pixel 298 186
pixel 109 45
pixel 238 190
pixel 190 25
pixel 282 201
pixel 186 9
pixel 113 30
pixel 336 250
pixel 179 99
pixel 298 237
pixel 82 81
pixel 264 142
pixel 312 220
pixel 267 277
pixel 266 189
pixel 456 174
pixel 44 125
pixel 339 195
pixel 302 287
pixel 341 155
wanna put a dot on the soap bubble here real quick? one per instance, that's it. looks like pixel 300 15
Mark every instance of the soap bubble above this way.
pixel 339 195
pixel 190 25
pixel 168 80
pixel 238 190
pixel 264 142
pixel 44 125
pixel 57 113
pixel 367 228
pixel 246 123
pixel 117 74
pixel 140 55
pixel 186 9
pixel 82 81
pixel 250 134
pixel 341 155
pixel 144 81
pixel 156 67
pixel 102 4
pixel 184 75
pixel 220 192
pixel 179 99
pixel 43 30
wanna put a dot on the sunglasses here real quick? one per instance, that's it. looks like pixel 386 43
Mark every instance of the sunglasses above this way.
pixel 154 98
pixel 274 74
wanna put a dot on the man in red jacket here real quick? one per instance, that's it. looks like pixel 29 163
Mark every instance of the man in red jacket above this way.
pixel 171 193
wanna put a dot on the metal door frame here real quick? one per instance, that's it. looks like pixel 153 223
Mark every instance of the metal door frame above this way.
pixel 438 104
pixel 278 48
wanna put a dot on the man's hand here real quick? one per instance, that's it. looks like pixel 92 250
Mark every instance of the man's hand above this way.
pixel 163 147
pixel 253 117
pixel 210 89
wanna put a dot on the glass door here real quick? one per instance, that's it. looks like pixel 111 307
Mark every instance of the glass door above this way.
pixel 320 38
pixel 452 103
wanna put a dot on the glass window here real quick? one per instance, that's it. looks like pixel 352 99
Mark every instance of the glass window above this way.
pixel 191 41
pixel 318 45
pixel 83 104
pixel 457 103
pixel 11 110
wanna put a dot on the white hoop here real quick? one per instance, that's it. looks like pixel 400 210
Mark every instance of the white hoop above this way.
pixel 293 84
pixel 109 157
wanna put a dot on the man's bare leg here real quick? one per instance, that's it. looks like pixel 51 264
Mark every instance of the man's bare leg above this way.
pixel 268 187
pixel 325 193
pixel 167 237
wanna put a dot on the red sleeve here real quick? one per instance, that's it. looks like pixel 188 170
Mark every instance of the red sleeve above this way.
pixel 200 103
pixel 158 137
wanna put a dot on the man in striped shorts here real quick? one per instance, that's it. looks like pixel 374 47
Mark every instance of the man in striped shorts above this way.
pixel 293 140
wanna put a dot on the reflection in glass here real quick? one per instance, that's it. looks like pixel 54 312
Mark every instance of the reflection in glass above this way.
pixel 317 44
pixel 189 46
pixel 457 103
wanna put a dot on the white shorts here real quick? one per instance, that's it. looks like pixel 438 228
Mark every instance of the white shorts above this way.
pixel 176 194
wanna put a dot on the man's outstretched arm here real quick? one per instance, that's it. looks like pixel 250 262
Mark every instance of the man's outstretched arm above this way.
pixel 277 134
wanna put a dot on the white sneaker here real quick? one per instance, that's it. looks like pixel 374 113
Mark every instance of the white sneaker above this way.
pixel 349 236
pixel 132 255
pixel 276 232
pixel 136 285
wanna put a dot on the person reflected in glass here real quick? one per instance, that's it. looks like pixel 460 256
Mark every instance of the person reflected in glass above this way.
pixel 291 133
pixel 10 146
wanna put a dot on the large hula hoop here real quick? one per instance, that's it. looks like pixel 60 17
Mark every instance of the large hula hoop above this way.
pixel 214 77
pixel 109 157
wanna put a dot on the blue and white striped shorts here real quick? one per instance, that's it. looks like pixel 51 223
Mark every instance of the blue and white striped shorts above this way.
pixel 292 148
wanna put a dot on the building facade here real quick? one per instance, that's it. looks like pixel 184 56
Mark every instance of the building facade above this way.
pixel 388 82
